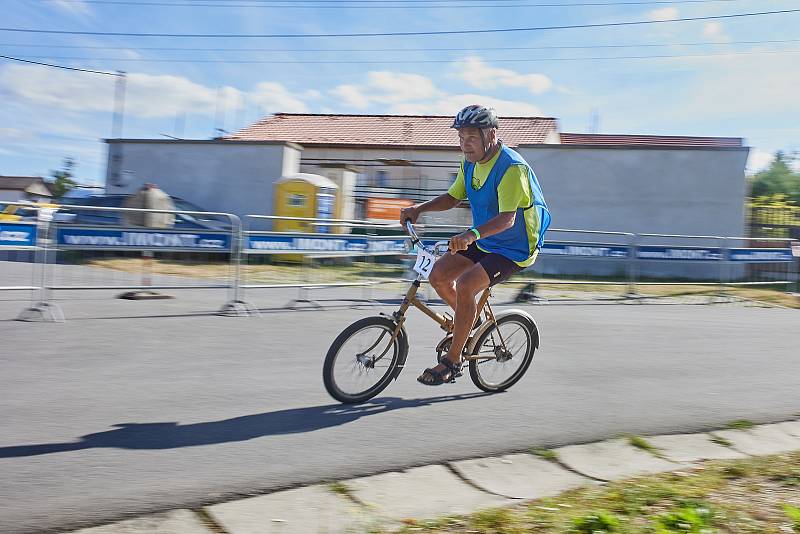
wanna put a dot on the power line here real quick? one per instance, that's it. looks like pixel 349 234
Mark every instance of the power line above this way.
pixel 60 66
pixel 396 62
pixel 586 3
pixel 395 4
pixel 400 34
pixel 399 50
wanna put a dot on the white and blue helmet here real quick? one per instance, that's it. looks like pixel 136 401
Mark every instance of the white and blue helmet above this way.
pixel 476 116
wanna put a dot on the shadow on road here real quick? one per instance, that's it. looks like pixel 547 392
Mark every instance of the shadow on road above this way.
pixel 172 435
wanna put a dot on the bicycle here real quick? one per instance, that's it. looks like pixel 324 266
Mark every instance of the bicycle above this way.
pixel 374 350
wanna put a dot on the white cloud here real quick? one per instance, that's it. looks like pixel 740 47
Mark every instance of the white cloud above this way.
pixel 352 96
pixel 386 87
pixel 450 104
pixel 400 93
pixel 716 31
pixel 15 134
pixel 667 13
pixel 273 97
pixel 389 87
pixel 146 95
pixel 477 73
pixel 744 86
pixel 76 7
pixel 166 95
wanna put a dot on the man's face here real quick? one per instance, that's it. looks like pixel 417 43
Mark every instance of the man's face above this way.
pixel 472 144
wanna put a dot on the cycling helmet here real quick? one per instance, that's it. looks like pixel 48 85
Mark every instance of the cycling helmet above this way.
pixel 476 116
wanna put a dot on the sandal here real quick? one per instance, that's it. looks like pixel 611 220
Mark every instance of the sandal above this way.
pixel 437 378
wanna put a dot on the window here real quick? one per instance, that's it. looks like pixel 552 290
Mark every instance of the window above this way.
pixel 296 201
pixel 382 178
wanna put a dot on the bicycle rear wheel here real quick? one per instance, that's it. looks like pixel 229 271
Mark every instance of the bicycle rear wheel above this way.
pixel 363 359
pixel 499 368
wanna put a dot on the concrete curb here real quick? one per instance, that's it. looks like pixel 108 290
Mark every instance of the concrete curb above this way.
pixel 389 500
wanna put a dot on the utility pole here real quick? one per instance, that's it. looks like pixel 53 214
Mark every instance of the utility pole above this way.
pixel 594 121
pixel 119 105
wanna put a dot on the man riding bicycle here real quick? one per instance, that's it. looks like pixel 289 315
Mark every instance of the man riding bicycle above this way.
pixel 509 217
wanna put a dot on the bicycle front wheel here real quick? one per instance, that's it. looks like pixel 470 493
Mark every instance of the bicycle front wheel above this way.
pixel 504 352
pixel 363 359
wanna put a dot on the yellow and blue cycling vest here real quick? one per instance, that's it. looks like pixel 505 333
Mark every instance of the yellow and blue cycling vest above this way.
pixel 514 243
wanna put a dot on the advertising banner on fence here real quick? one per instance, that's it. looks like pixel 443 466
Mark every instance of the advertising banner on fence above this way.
pixel 591 250
pixel 761 255
pixel 94 238
pixel 334 244
pixel 17 235
pixel 680 253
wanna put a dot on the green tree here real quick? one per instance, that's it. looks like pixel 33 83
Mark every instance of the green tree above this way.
pixel 778 178
pixel 62 180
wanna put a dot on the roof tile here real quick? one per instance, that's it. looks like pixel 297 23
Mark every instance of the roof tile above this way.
pixel 384 130
pixel 649 140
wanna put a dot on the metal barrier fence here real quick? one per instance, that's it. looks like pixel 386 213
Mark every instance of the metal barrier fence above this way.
pixel 87 257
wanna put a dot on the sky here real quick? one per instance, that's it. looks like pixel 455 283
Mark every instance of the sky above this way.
pixel 730 77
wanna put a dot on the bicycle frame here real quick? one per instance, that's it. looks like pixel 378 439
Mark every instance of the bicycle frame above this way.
pixel 444 320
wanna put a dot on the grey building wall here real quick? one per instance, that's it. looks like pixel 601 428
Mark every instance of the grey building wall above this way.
pixel 12 195
pixel 230 177
pixel 684 191
pixel 624 189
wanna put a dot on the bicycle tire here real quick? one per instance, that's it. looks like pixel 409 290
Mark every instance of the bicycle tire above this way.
pixel 532 342
pixel 398 356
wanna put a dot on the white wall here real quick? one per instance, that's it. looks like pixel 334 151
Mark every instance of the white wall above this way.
pixel 12 195
pixel 218 176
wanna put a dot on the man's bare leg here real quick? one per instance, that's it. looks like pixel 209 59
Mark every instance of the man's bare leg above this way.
pixel 468 286
pixel 472 282
pixel 445 273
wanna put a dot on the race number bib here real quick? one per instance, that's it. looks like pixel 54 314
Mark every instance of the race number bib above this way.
pixel 425 261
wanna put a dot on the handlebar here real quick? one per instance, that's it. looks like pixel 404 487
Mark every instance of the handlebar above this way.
pixel 411 232
pixel 439 248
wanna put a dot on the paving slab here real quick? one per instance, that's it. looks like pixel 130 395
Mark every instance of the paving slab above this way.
pixel 791 427
pixel 172 522
pixel 761 440
pixel 421 493
pixel 519 476
pixel 312 509
pixel 612 460
pixel 692 448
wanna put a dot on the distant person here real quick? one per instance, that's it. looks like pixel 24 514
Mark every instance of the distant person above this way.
pixel 509 217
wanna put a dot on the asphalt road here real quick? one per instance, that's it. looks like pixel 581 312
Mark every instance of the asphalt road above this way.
pixel 133 407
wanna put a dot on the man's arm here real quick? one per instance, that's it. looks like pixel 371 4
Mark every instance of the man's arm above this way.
pixel 443 202
pixel 499 223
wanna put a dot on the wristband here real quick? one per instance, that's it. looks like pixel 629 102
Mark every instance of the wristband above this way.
pixel 476 232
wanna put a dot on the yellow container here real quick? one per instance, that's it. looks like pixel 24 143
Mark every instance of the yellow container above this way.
pixel 305 195
pixel 308 196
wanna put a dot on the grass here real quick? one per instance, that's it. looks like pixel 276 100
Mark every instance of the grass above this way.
pixel 762 498
pixel 340 488
pixel 640 443
pixel 740 424
pixel 719 440
pixel 357 271
pixel 545 454
pixel 793 513
pixel 255 273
